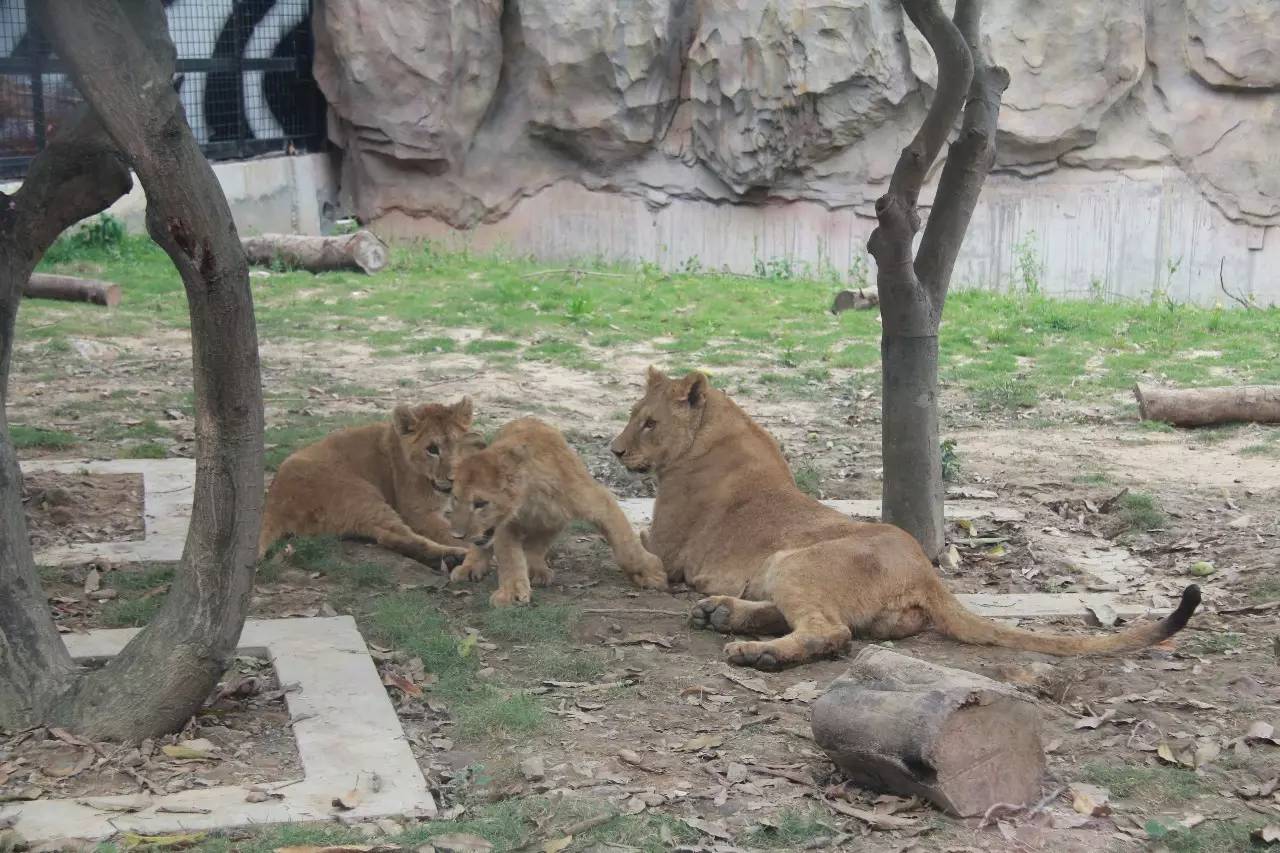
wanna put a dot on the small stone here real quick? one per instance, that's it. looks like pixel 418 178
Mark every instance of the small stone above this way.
pixel 534 768
pixel 486 673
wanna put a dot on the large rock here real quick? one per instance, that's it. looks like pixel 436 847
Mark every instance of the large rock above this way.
pixel 1235 44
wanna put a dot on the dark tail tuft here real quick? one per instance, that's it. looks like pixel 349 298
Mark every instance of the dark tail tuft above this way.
pixel 1177 620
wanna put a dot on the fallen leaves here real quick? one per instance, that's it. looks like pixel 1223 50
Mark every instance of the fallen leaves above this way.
pixel 753 683
pixel 1090 800
pixel 1268 834
pixel 169 842
pixel 804 691
pixel 701 742
pixel 1094 722
pixel 199 749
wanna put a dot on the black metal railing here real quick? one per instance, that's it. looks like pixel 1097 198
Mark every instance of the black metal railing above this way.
pixel 244 77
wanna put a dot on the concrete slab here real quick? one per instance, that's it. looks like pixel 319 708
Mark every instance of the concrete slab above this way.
pixel 168 487
pixel 1043 605
pixel 347 732
pixel 640 510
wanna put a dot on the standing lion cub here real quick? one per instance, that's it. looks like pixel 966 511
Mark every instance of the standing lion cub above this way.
pixel 520 492
pixel 386 482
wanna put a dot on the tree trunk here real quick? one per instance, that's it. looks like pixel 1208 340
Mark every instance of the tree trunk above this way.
pixel 77 175
pixel 359 251
pixel 72 289
pixel 119 54
pixel 913 289
pixel 901 725
pixel 1204 406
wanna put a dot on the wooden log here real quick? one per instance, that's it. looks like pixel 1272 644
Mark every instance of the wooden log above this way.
pixel 361 251
pixel 862 299
pixel 71 289
pixel 1203 406
pixel 900 725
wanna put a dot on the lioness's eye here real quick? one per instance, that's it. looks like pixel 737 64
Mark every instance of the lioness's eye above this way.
pixel 650 423
pixel 480 504
pixel 433 449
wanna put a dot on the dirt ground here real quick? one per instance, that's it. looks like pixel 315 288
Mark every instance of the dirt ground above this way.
pixel 66 508
pixel 666 728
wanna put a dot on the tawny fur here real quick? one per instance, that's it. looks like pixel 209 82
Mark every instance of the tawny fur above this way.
pixel 518 494
pixel 386 482
pixel 729 520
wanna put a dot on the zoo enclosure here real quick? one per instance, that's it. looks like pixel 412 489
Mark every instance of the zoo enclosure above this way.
pixel 243 74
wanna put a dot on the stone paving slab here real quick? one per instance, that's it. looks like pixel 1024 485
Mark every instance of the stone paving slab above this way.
pixel 347 732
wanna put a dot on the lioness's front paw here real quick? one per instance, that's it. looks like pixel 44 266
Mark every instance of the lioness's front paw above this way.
pixel 451 557
pixel 713 613
pixel 541 575
pixel 505 597
pixel 758 655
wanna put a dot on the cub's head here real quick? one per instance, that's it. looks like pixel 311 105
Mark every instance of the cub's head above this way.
pixel 488 487
pixel 431 435
pixel 663 424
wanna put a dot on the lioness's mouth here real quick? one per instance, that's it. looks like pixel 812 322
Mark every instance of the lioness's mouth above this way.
pixel 443 488
pixel 485 539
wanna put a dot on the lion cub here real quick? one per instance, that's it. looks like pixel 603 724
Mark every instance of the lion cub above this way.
pixel 520 492
pixel 386 482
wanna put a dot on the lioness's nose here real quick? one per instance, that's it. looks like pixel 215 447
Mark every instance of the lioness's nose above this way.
pixel 618 453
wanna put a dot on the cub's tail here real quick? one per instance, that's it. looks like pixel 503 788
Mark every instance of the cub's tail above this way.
pixel 952 619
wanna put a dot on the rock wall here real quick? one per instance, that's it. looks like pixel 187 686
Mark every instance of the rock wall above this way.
pixel 456 110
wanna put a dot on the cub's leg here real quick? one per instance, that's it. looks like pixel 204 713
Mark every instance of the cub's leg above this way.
pixel 474 567
pixel 536 546
pixel 376 520
pixel 641 568
pixel 730 615
pixel 513 570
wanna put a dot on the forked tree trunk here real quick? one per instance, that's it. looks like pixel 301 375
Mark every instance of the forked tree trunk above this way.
pixel 120 57
pixel 913 289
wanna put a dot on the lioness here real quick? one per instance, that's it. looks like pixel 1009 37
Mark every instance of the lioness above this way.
pixel 517 494
pixel 386 482
pixel 730 520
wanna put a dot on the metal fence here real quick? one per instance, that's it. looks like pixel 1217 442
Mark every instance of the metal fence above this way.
pixel 243 74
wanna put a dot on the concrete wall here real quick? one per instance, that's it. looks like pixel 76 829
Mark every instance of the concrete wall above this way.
pixel 1076 232
pixel 273 194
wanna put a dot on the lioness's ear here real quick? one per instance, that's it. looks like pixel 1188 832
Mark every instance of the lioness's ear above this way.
pixel 693 388
pixel 655 377
pixel 404 419
pixel 462 412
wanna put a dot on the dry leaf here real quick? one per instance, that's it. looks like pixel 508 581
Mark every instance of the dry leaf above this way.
pixel 132 839
pixel 460 842
pixel 950 559
pixel 637 639
pixel 752 683
pixel 1090 800
pixel 1094 722
pixel 700 743
pixel 1268 834
pixel 1206 753
pixel 1104 613
pixel 194 750
pixel 116 804
pixel 262 796
pixel 1262 731
pixel 875 820
pixel 805 691
pixel 92 581
pixel 341 848
pixel 402 684
pixel 347 801
pixel 715 830
pixel 557 844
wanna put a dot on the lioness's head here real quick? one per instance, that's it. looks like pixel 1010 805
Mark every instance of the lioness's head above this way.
pixel 431 435
pixel 487 489
pixel 663 424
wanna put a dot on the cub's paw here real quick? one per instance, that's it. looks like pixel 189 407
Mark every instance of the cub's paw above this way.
pixel 757 655
pixel 470 570
pixel 649 574
pixel 541 575
pixel 714 613
pixel 505 597
pixel 452 558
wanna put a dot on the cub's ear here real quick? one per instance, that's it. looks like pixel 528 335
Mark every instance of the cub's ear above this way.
pixel 693 389
pixel 655 377
pixel 404 419
pixel 462 412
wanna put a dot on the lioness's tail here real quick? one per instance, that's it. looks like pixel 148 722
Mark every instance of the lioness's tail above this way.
pixel 952 619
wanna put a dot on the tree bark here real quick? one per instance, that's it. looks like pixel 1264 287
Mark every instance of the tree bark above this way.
pixel 359 251
pixel 72 289
pixel 913 288
pixel 119 54
pixel 901 725
pixel 1204 406
pixel 77 175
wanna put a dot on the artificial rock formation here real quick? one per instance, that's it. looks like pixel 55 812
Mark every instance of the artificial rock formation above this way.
pixel 456 110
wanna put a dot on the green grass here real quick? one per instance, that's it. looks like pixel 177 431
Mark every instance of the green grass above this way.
pixel 1138 512
pixel 537 623
pixel 26 437
pixel 1214 644
pixel 794 827
pixel 146 450
pixel 1212 836
pixel 1093 478
pixel 323 554
pixel 1266 590
pixel 809 479
pixel 130 612
pixel 1150 785
pixel 140 580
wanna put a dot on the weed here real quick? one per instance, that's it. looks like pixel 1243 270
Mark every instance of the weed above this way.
pixel 950 460
pixel 537 624
pixel 486 345
pixel 25 437
pixel 1005 394
pixel 792 829
pixel 143 578
pixel 1093 478
pixel 1026 259
pixel 106 234
pixel 146 450
pixel 131 612
pixel 1153 785
pixel 1214 836
pixel 809 479
pixel 1138 512
pixel 1211 644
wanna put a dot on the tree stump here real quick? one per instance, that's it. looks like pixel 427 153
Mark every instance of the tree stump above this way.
pixel 964 742
pixel 1204 406
pixel 72 289
pixel 359 251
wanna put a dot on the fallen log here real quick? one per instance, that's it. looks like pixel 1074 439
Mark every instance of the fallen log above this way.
pixel 900 725
pixel 1203 406
pixel 71 289
pixel 361 250
pixel 862 299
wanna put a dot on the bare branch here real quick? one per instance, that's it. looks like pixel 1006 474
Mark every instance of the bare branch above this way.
pixel 968 162
pixel 955 70
pixel 1222 282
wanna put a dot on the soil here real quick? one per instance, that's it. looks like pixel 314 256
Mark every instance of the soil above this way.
pixel 242 737
pixel 667 729
pixel 67 508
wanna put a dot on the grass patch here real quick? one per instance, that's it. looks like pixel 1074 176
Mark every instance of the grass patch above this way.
pixel 1267 590
pixel 1215 644
pixel 130 612
pixel 1094 478
pixel 536 624
pixel 141 580
pixel 809 479
pixel 1214 836
pixel 1138 512
pixel 1004 395
pixel 323 554
pixel 146 450
pixel 486 345
pixel 793 828
pixel 26 438
pixel 1151 785
pixel 480 709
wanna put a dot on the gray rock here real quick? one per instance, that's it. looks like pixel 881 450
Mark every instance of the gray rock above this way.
pixel 1235 44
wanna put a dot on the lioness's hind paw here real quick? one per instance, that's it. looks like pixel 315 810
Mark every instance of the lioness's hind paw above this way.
pixel 711 614
pixel 757 655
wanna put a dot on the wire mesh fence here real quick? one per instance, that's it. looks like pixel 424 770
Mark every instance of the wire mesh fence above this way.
pixel 243 75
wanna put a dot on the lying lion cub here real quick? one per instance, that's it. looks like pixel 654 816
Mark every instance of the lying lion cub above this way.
pixel 520 492
pixel 730 520
pixel 386 482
